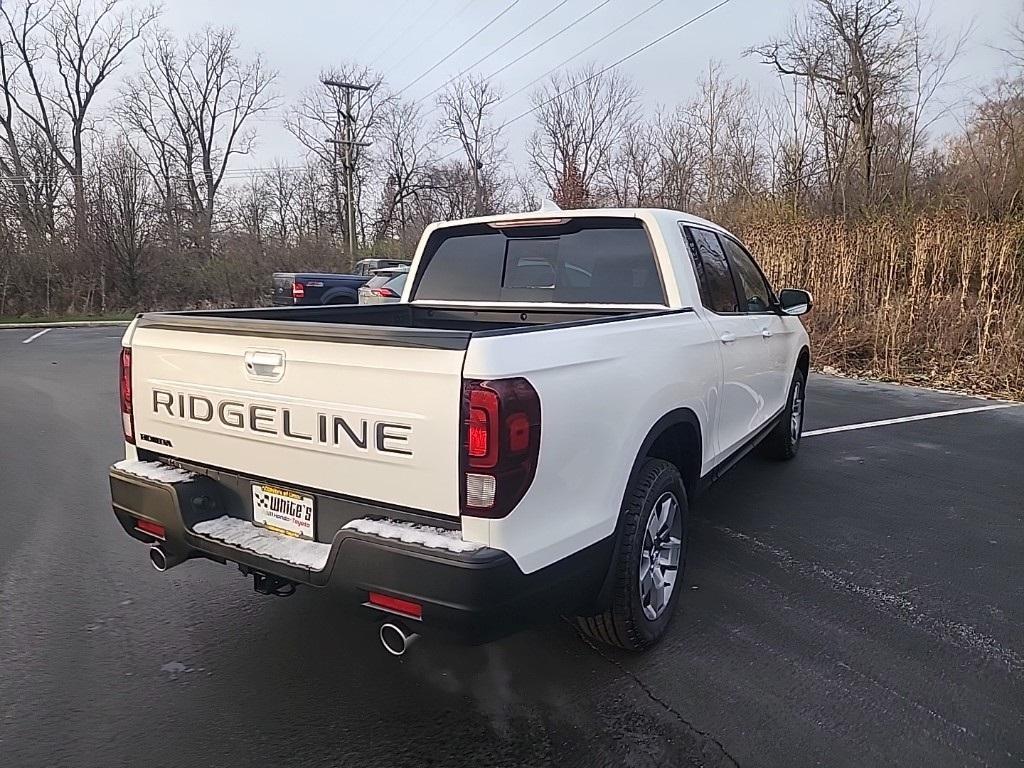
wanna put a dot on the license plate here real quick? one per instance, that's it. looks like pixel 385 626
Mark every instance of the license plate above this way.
pixel 284 511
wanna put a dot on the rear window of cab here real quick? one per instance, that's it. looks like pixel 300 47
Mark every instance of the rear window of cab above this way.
pixel 576 261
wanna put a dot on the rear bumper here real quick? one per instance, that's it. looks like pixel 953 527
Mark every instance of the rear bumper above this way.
pixel 472 597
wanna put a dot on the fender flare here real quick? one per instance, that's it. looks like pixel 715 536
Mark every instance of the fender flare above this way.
pixel 670 419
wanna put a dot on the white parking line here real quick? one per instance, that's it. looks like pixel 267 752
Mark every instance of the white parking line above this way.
pixel 35 336
pixel 901 419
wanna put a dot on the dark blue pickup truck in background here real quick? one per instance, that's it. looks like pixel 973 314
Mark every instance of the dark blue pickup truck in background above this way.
pixel 316 288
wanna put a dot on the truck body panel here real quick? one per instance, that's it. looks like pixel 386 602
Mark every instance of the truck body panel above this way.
pixel 368 421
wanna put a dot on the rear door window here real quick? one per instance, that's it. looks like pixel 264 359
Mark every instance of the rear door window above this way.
pixel 717 289
pixel 586 261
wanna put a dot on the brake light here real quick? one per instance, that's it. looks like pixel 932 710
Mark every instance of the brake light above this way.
pixel 384 293
pixel 298 291
pixel 482 440
pixel 125 381
pixel 514 223
pixel 501 444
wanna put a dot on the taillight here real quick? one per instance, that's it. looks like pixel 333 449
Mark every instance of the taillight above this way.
pixel 384 293
pixel 501 443
pixel 482 426
pixel 298 291
pixel 125 380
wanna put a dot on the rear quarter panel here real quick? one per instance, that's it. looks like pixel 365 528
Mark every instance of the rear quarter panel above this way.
pixel 602 387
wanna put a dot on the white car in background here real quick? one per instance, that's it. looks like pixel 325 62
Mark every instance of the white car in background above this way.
pixel 385 287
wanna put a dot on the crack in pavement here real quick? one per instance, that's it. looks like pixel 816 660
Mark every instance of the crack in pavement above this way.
pixel 704 735
pixel 944 629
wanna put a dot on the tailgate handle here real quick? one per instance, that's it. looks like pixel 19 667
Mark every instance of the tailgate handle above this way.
pixel 266 364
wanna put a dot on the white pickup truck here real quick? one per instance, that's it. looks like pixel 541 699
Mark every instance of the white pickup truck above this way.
pixel 521 434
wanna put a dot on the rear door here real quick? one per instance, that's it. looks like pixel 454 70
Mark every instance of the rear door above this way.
pixel 744 354
pixel 372 421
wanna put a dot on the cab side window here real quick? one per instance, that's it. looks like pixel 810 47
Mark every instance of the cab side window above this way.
pixel 717 289
pixel 754 292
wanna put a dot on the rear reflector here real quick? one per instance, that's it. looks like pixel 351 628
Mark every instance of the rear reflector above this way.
pixel 153 529
pixel 397 605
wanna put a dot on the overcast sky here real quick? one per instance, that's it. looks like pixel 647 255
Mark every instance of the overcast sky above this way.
pixel 404 38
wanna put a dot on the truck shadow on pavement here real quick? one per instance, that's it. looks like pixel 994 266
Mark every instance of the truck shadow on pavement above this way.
pixel 542 697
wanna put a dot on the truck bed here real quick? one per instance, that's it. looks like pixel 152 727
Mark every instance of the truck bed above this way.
pixel 412 325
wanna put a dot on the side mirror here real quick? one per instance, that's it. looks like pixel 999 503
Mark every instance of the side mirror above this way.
pixel 793 301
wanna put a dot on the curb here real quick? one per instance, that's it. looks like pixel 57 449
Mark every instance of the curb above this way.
pixel 66 324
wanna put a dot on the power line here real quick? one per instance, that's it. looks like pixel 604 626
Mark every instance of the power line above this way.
pixel 574 86
pixel 376 33
pixel 484 58
pixel 405 31
pixel 547 40
pixel 462 45
pixel 584 81
pixel 580 52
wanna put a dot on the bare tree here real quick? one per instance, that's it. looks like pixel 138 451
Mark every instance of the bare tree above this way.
pixel 12 165
pixel 986 162
pixel 931 58
pixel 154 137
pixel 631 178
pixel 677 159
pixel 580 119
pixel 316 119
pixel 283 190
pixel 860 50
pixel 82 48
pixel 403 150
pixel 467 106
pixel 200 99
pixel 1015 51
pixel 253 202
pixel 124 216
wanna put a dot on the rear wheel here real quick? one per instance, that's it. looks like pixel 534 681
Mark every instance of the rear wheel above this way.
pixel 783 441
pixel 649 563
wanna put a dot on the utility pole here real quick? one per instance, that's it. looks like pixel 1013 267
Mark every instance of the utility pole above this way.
pixel 348 142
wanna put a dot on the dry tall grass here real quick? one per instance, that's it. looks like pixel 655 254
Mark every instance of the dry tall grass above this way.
pixel 937 300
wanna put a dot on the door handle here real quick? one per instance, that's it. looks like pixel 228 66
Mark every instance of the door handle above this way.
pixel 728 337
pixel 766 333
pixel 265 364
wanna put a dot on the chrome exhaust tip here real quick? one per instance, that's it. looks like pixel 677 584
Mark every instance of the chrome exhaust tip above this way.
pixel 163 560
pixel 158 558
pixel 396 638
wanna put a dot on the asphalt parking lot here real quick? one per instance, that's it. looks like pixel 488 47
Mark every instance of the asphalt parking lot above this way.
pixel 862 605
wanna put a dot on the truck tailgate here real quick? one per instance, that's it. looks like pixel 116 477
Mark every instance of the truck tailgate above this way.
pixel 365 419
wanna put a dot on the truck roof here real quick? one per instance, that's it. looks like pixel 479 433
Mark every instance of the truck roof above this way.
pixel 664 216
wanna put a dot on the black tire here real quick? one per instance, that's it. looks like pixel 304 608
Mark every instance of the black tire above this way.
pixel 340 298
pixel 626 623
pixel 783 442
